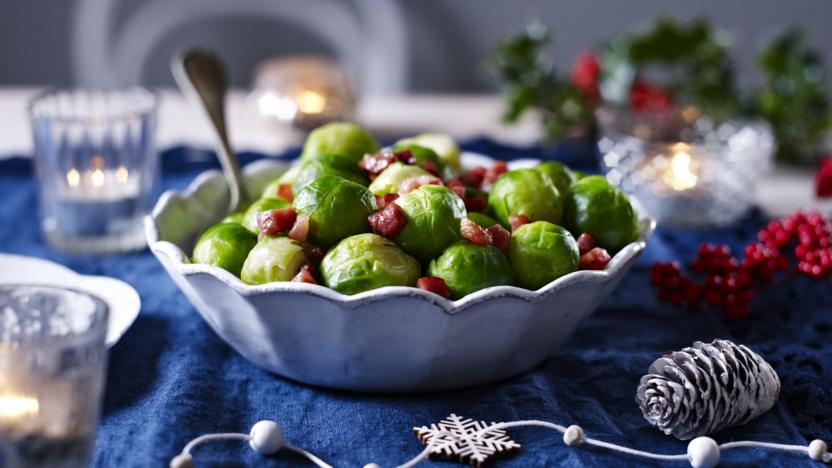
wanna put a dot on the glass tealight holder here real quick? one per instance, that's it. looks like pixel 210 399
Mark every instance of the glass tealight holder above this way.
pixel 684 169
pixel 96 164
pixel 53 361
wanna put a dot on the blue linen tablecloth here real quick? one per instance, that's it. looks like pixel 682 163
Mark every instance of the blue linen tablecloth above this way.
pixel 171 378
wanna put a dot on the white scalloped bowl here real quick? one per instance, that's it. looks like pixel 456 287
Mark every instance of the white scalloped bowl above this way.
pixel 392 339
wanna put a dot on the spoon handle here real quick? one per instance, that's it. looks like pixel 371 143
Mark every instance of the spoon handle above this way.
pixel 201 77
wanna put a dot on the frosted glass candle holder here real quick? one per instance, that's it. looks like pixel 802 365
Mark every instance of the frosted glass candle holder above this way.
pixel 53 360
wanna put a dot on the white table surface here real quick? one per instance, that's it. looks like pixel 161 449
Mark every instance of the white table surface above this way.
pixel 462 116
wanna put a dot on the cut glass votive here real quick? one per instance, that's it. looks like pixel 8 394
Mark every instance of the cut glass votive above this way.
pixel 96 164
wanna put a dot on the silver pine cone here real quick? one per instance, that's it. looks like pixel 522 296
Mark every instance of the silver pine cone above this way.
pixel 705 388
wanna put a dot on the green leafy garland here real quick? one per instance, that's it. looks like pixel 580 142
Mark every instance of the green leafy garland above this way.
pixel 694 68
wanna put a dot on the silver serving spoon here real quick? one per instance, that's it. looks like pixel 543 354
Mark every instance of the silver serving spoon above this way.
pixel 201 76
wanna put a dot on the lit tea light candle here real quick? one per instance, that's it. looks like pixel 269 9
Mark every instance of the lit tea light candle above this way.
pixel 93 196
pixel 682 174
pixel 98 177
pixel 14 407
pixel 305 92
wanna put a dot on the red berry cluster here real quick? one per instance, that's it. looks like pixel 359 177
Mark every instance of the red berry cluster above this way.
pixel 729 282
pixel 647 97
pixel 823 178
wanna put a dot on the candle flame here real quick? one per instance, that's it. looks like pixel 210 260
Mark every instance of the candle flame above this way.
pixel 681 175
pixel 97 178
pixel 121 174
pixel 18 406
pixel 282 107
pixel 311 102
pixel 73 177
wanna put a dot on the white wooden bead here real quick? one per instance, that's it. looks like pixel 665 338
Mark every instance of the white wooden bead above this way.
pixel 817 449
pixel 573 435
pixel 183 460
pixel 372 465
pixel 703 452
pixel 266 437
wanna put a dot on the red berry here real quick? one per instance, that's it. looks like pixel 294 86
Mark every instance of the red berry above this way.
pixel 584 75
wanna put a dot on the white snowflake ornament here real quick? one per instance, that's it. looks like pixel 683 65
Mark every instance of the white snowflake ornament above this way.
pixel 466 440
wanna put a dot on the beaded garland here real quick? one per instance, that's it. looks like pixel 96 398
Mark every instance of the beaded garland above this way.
pixel 266 437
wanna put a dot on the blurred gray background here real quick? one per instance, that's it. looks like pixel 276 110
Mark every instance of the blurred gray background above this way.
pixel 442 43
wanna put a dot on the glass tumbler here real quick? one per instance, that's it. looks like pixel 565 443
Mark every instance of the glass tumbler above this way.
pixel 53 361
pixel 96 164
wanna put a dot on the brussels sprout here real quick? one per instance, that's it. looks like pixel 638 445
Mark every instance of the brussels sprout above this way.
pixel 368 261
pixel 578 174
pixel 560 175
pixel 328 164
pixel 270 190
pixel 288 177
pixel 336 208
pixel 443 145
pixel 264 204
pixel 433 214
pixel 481 219
pixel 468 267
pixel 540 252
pixel 273 259
pixel 342 138
pixel 422 155
pixel 595 206
pixel 234 218
pixel 390 179
pixel 527 192
pixel 224 245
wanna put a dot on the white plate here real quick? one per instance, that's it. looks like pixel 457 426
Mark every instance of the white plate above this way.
pixel 123 301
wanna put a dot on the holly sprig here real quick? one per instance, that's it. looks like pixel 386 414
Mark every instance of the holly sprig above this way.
pixel 531 82
pixel 793 97
pixel 695 55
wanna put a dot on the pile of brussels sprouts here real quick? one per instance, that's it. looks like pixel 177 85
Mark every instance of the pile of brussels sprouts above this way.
pixel 354 217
